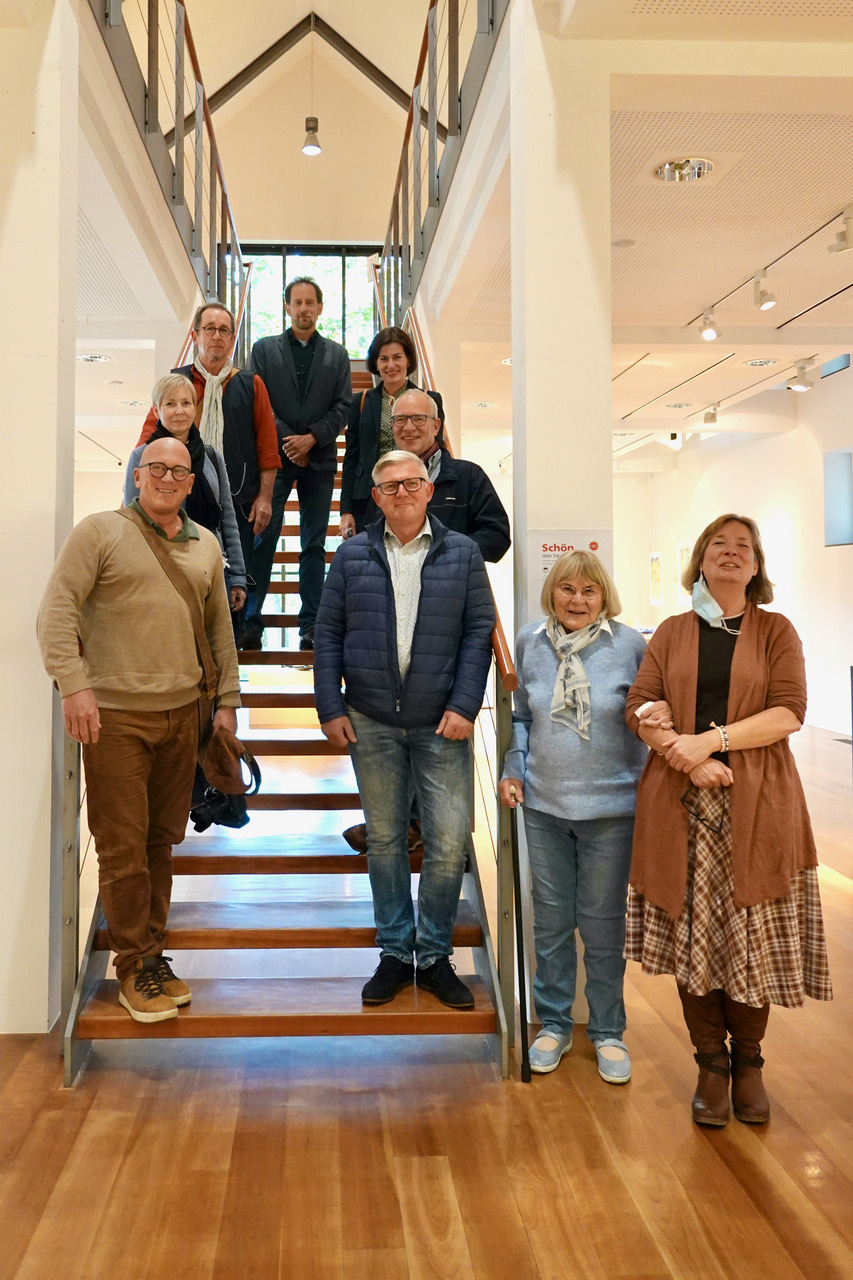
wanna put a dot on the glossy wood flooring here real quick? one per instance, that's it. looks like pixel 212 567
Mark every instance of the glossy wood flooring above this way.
pixel 382 1159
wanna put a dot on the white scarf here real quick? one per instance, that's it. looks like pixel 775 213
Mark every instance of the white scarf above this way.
pixel 570 703
pixel 212 425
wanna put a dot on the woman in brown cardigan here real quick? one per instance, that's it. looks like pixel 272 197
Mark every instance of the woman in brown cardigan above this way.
pixel 724 890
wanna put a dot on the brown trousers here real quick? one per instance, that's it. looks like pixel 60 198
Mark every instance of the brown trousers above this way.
pixel 710 1017
pixel 139 778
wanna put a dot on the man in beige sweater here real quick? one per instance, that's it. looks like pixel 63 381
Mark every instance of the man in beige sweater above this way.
pixel 117 639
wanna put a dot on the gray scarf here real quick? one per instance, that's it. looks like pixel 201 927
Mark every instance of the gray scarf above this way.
pixel 570 703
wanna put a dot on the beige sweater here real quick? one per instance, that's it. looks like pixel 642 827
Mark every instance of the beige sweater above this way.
pixel 138 647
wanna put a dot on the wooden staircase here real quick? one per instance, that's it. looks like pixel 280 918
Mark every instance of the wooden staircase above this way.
pixel 292 886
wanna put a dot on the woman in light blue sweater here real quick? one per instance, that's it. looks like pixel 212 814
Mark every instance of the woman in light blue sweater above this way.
pixel 574 765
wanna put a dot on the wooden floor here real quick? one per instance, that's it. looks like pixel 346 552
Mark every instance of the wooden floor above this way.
pixel 385 1159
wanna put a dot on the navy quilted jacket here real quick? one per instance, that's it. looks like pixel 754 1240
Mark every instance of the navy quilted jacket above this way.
pixel 356 633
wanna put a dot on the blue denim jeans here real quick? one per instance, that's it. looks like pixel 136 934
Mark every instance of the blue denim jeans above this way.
pixel 579 872
pixel 314 491
pixel 387 761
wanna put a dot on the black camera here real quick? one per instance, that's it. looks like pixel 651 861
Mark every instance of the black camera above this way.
pixel 216 807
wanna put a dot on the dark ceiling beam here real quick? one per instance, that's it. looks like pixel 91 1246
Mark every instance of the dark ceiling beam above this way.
pixel 311 22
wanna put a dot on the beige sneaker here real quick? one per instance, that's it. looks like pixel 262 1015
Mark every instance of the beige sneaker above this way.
pixel 175 988
pixel 143 996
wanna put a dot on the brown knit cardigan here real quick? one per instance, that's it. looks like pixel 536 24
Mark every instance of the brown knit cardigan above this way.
pixel 771 832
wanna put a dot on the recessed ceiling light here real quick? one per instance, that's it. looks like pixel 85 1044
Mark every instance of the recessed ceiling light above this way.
pixel 507 360
pixel 134 403
pixel 93 359
pixel 762 362
pixel 481 404
pixel 688 170
pixel 622 244
pixel 680 404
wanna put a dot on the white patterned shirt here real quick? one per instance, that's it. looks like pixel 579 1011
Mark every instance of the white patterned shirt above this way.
pixel 406 563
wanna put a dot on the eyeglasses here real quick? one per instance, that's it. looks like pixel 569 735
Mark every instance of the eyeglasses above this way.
pixel 159 470
pixel 588 593
pixel 411 484
pixel 416 419
pixel 211 329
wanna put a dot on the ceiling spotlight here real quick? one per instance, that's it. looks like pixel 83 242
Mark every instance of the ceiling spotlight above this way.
pixel 709 329
pixel 844 239
pixel 800 382
pixel 688 170
pixel 762 298
pixel 507 360
pixel 311 145
pixel 711 416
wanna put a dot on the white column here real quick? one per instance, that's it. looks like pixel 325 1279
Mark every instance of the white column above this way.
pixel 38 200
pixel 560 200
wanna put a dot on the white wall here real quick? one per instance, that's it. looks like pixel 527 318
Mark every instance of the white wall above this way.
pixel 778 480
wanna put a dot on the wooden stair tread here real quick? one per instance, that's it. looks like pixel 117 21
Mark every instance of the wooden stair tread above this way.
pixel 269 746
pixel 305 800
pixel 342 922
pixel 272 855
pixel 275 657
pixel 287 1007
pixel 256 697
pixel 292 557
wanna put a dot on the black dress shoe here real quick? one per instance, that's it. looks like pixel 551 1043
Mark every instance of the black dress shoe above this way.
pixel 306 639
pixel 247 639
pixel 440 978
pixel 391 976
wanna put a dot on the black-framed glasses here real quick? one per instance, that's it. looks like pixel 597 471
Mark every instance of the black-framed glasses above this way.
pixel 416 419
pixel 211 329
pixel 159 470
pixel 411 484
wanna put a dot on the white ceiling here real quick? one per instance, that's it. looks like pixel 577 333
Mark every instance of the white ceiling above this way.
pixel 783 155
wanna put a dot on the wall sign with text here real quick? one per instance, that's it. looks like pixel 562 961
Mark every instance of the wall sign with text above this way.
pixel 544 548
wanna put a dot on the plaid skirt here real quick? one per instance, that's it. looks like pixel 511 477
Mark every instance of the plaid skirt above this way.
pixel 775 951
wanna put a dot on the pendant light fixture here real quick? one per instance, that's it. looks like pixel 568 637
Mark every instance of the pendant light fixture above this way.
pixel 311 145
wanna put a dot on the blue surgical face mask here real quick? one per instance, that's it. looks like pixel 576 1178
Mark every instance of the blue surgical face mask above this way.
pixel 704 603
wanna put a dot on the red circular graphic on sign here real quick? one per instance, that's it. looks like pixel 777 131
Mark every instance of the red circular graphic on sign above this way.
pixel 593 546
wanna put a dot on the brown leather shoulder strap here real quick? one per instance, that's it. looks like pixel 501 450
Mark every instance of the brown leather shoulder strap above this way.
pixel 181 584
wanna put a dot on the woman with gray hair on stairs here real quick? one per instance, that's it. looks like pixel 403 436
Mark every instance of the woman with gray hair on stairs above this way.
pixel 209 499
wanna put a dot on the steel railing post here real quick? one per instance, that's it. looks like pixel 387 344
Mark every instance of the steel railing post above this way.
pixel 432 105
pixel 452 67
pixel 152 86
pixel 417 178
pixel 198 215
pixel 178 193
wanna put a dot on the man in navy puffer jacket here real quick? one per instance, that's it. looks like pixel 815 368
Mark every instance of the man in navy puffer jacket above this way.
pixel 405 622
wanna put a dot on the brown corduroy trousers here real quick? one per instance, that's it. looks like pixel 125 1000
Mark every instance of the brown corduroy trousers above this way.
pixel 139 778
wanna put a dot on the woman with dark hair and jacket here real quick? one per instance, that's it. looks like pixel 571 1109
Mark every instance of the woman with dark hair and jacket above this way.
pixel 723 885
pixel 209 500
pixel 391 357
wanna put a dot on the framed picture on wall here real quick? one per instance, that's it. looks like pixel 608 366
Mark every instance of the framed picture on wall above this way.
pixel 682 560
pixel 654 578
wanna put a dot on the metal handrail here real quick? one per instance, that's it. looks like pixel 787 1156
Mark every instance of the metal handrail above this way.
pixel 426 168
pixel 205 221
pixel 242 308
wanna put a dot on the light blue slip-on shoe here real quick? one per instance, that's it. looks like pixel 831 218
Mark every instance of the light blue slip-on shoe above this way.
pixel 614 1064
pixel 547 1050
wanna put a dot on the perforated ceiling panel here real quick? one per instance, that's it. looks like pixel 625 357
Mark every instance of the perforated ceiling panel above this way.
pixel 745 8
pixel 102 291
pixel 787 174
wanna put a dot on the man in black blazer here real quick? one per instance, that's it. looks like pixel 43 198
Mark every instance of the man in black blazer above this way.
pixel 309 383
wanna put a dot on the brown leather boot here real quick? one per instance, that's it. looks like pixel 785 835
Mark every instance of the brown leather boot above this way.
pixel 749 1099
pixel 710 1104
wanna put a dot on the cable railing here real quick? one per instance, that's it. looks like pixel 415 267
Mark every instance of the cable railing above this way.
pixel 457 45
pixel 151 47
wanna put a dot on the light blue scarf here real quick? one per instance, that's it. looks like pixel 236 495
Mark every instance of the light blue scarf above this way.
pixel 570 703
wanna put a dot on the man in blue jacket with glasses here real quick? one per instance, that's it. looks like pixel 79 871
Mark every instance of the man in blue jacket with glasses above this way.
pixel 405 623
